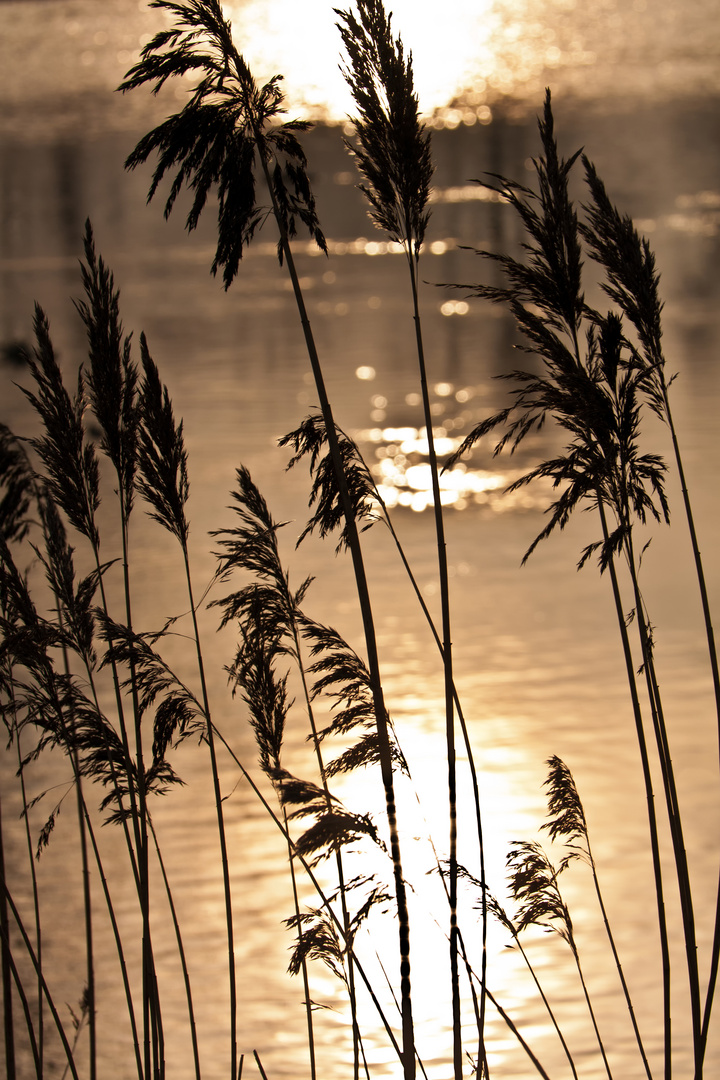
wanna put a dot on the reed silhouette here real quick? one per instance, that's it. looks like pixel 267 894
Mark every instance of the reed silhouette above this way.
pixel 79 677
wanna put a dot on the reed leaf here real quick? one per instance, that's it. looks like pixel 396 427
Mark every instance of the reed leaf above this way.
pixel 75 604
pixel 252 547
pixel 179 715
pixel 317 939
pixel 309 440
pixel 343 676
pixel 534 887
pixel 333 830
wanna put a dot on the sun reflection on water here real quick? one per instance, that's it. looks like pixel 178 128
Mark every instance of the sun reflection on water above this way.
pixel 470 53
pixel 299 39
pixel 469 56
pixel 403 476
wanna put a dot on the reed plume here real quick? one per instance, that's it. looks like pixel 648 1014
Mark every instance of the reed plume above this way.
pixel 567 824
pixel 392 150
pixel 594 389
pixel 229 124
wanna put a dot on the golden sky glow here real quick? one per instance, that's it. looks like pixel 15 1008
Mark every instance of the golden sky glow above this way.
pixel 302 41
pixel 467 55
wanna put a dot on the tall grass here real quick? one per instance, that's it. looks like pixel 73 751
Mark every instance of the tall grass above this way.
pixel 77 675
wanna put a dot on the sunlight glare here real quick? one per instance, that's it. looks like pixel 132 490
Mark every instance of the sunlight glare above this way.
pixel 302 42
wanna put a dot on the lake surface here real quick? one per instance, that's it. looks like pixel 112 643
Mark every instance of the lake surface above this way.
pixel 538 659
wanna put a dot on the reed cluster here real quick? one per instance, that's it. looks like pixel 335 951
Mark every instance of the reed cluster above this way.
pixel 78 677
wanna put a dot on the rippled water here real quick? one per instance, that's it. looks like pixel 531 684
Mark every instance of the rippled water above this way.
pixel 538 661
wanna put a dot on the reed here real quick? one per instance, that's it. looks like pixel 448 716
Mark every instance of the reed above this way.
pixel 79 677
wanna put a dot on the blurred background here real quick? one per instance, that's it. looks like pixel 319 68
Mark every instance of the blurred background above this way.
pixel 537 656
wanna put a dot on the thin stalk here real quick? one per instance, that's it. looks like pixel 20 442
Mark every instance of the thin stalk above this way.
pixel 87 826
pixel 87 897
pixel 33 878
pixel 590 1009
pixel 513 1028
pixel 408 1055
pixel 338 855
pixel 181 952
pixel 318 888
pixel 26 1009
pixel 151 1018
pixel 650 797
pixel 48 997
pixel 38 930
pixel 412 261
pixel 547 1005
pixel 468 749
pixel 125 742
pixel 671 800
pixel 7 967
pixel 616 957
pixel 482 1069
pixel 710 633
pixel 118 944
pixel 712 654
pixel 135 853
pixel 88 830
pixel 220 821
pixel 306 979
pixel 87 904
pixel 393 995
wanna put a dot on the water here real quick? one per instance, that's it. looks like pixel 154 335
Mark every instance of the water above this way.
pixel 538 661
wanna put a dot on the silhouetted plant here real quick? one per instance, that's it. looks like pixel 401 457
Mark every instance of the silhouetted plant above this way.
pixel 392 152
pixel 595 393
pixel 597 371
pixel 215 140
pixel 534 888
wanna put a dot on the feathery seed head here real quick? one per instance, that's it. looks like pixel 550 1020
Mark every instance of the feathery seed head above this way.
pixel 393 146
pixel 162 457
pixel 228 126
pixel 112 376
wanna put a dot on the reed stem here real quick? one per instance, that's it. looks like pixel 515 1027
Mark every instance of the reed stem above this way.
pixel 209 730
pixel 7 966
pixel 650 797
pixel 446 653
pixel 370 639
pixel 48 997
pixel 673 810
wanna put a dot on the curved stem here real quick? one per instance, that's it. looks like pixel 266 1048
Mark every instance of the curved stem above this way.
pixel 220 821
pixel 673 808
pixel 616 958
pixel 48 997
pixel 713 657
pixel 338 854
pixel 353 539
pixel 446 653
pixel 650 797
pixel 590 1009
pixel 181 951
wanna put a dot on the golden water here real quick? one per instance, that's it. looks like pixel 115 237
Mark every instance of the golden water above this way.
pixel 538 661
